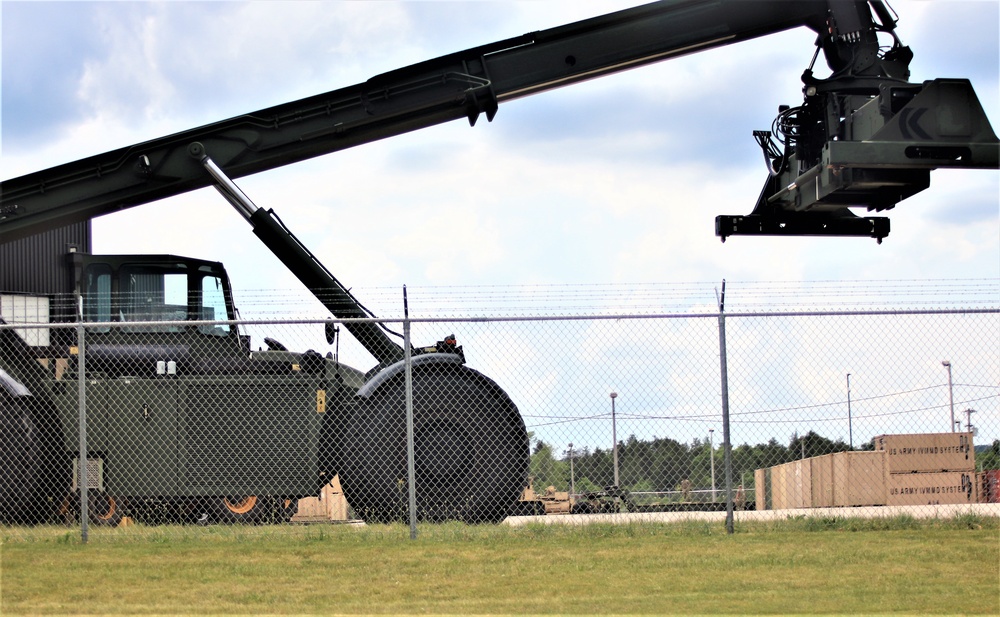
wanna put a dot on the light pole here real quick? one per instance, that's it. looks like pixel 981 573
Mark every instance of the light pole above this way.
pixel 951 397
pixel 614 437
pixel 711 455
pixel 572 481
pixel 850 424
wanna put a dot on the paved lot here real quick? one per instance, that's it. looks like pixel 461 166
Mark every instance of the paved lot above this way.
pixel 940 511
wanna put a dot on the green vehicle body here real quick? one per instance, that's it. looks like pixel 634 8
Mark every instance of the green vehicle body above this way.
pixel 184 421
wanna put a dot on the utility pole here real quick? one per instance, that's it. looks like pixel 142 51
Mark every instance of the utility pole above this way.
pixel 850 424
pixel 572 481
pixel 968 419
pixel 711 455
pixel 614 436
pixel 951 395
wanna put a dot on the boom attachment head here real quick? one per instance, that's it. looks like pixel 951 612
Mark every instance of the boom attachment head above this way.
pixel 877 151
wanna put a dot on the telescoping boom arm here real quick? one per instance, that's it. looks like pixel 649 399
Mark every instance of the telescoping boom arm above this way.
pixel 827 165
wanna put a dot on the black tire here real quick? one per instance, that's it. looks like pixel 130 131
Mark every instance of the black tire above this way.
pixel 239 509
pixel 17 463
pixel 582 507
pixel 529 508
pixel 470 445
pixel 105 510
pixel 286 508
pixel 33 475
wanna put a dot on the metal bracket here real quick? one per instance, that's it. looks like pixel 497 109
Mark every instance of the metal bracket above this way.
pixel 801 224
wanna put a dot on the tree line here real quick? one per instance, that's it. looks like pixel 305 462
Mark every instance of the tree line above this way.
pixel 663 464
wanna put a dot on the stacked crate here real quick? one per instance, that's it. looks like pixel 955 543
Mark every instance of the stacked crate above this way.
pixel 789 485
pixel 929 468
pixel 859 479
pixel 904 470
pixel 329 505
pixel 840 479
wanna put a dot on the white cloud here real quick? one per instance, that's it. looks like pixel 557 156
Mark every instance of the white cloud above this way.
pixel 625 186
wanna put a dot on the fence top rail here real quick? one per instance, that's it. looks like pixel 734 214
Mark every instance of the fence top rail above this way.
pixel 498 318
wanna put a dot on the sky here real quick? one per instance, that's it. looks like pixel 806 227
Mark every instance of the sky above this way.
pixel 615 181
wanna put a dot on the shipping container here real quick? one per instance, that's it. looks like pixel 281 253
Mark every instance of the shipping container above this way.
pixel 805 483
pixel 781 487
pixel 762 488
pixel 859 479
pixel 918 489
pixel 927 452
pixel 822 481
pixel 791 485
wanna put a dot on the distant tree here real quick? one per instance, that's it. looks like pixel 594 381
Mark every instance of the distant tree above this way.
pixel 584 485
pixel 546 470
pixel 868 446
pixel 642 486
pixel 812 444
pixel 990 459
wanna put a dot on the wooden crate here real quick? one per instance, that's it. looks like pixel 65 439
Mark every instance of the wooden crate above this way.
pixel 927 452
pixel 762 488
pixel 330 505
pixel 918 489
pixel 821 474
pixel 859 479
pixel 792 485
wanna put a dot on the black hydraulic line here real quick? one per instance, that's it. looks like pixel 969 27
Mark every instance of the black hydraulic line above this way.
pixel 301 262
pixel 460 85
pixel 327 289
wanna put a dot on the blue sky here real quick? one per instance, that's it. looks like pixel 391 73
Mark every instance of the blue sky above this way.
pixel 615 181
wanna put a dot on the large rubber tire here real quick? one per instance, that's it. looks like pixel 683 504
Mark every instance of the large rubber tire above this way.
pixel 471 448
pixel 239 509
pixel 34 469
pixel 33 473
pixel 18 456
pixel 582 507
pixel 105 510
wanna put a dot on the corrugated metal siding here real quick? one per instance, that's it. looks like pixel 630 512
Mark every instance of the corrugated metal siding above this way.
pixel 37 264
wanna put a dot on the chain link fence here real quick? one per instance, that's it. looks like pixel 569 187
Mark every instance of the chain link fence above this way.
pixel 171 419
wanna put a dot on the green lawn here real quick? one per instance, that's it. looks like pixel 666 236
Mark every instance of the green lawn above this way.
pixel 832 566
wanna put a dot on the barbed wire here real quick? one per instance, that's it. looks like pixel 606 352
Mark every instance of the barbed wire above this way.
pixel 633 298
pixel 656 297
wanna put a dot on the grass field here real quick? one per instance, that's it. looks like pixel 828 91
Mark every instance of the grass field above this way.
pixel 804 566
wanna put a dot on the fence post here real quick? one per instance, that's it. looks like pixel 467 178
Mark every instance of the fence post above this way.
pixel 410 455
pixel 83 479
pixel 724 372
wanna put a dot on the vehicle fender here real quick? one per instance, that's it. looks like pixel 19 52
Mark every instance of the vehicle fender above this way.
pixel 394 369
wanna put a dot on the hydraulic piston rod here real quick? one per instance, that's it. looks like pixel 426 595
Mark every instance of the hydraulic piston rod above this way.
pixel 303 264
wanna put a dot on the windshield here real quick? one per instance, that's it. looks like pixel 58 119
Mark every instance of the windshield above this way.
pixel 158 292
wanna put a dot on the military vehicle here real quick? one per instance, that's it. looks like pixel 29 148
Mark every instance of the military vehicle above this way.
pixel 183 417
